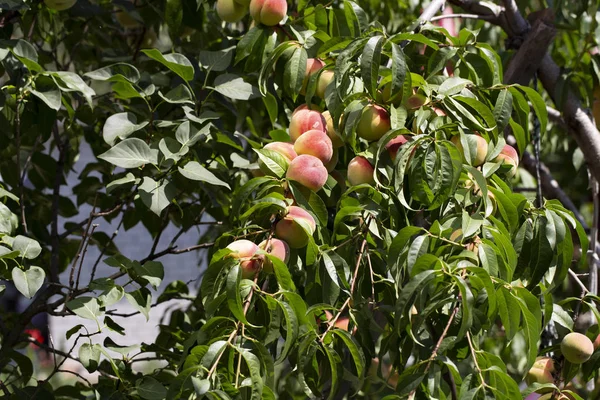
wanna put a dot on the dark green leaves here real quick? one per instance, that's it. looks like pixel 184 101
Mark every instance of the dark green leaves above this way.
pixel 177 63
pixel 370 63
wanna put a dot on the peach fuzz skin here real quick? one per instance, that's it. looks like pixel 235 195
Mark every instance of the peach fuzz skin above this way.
pixel 230 10
pixel 245 250
pixel 289 230
pixel 336 140
pixel 482 149
pixel 277 248
pixel 309 171
pixel 360 171
pixel 268 12
pixel 315 143
pixel 313 65
pixel 374 123
pixel 304 120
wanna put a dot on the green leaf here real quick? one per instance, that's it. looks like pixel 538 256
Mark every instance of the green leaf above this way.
pixel 234 87
pixel 89 355
pixel 27 54
pixel 130 153
pixel 152 271
pixel 312 203
pixel 471 223
pixel 48 91
pixel 85 307
pixel 217 60
pixel 539 106
pixel 294 72
pixel 399 68
pixel 188 134
pixel 141 300
pixel 120 125
pixel 156 196
pixel 28 248
pixel 503 109
pixel 282 273
pixel 28 282
pixel 453 85
pixel 70 81
pixel 354 348
pixel 370 63
pixel 234 299
pixel 119 72
pixel 195 171
pixel 256 382
pixel 176 62
pixel 150 389
pixel 178 95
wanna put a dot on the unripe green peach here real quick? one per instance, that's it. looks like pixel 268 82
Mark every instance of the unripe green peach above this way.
pixel 277 248
pixel 315 143
pixel 541 371
pixel 313 65
pixel 230 10
pixel 509 156
pixel 482 148
pixel 360 171
pixel 386 95
pixel 576 348
pixel 60 5
pixel 245 3
pixel 336 140
pixel 393 146
pixel 325 80
pixel 245 251
pixel 304 120
pixel 268 12
pixel 374 123
pixel 290 228
pixel 309 171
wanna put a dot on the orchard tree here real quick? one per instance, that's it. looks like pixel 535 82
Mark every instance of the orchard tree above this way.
pixel 380 221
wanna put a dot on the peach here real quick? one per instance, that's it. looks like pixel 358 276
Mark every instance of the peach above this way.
pixel 283 148
pixel 268 12
pixel 313 65
pixel 295 227
pixel 277 248
pixel 325 80
pixel 360 171
pixel 386 95
pixel 509 156
pixel 230 10
pixel 245 251
pixel 480 144
pixel 576 348
pixel 304 120
pixel 334 160
pixel 439 112
pixel 315 143
pixel 597 343
pixel 336 140
pixel 415 101
pixel 393 146
pixel 309 171
pixel 374 123
pixel 541 371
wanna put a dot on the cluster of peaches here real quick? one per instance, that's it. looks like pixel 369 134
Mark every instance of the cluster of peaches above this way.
pixel 266 12
pixel 576 348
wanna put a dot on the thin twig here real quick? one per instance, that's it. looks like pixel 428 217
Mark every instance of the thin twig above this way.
pixel 576 279
pixel 475 359
pixel 18 145
pixel 463 16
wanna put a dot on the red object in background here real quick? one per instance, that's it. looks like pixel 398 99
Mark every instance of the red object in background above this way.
pixel 36 335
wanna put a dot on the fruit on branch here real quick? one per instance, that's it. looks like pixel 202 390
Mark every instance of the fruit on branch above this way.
pixel 283 148
pixel 330 166
pixel 439 112
pixel 336 140
pixel 325 79
pixel 296 227
pixel 541 372
pixel 304 120
pixel 576 348
pixel 386 95
pixel 243 2
pixel 230 10
pixel 309 171
pixel 415 101
pixel 59 5
pixel 393 146
pixel 268 12
pixel 245 251
pixel 313 65
pixel 315 143
pixel 360 171
pixel 374 123
pixel 597 343
pixel 476 141
pixel 277 248
pixel 509 156
pixel 388 374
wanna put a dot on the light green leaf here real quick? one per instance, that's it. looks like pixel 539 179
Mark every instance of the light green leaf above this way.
pixel 176 62
pixel 152 271
pixel 156 196
pixel 89 355
pixel 193 170
pixel 119 72
pixel 120 125
pixel 141 300
pixel 178 95
pixel 28 282
pixel 130 153
pixel 28 248
pixel 85 307
pixel 234 87
pixel 150 389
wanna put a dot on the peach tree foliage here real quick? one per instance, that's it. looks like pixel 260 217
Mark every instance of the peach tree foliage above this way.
pixel 437 264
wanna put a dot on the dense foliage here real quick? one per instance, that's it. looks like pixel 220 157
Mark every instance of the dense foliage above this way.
pixel 418 270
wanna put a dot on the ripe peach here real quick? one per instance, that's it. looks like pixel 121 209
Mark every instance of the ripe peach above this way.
pixel 360 171
pixel 313 65
pixel 393 146
pixel 309 171
pixel 481 145
pixel 597 343
pixel 541 371
pixel 334 160
pixel 290 228
pixel 315 143
pixel 230 10
pixel 439 112
pixel 325 79
pixel 304 120
pixel 268 12
pixel 336 140
pixel 60 5
pixel 245 250
pixel 283 148
pixel 509 156
pixel 576 348
pixel 277 248
pixel 415 101
pixel 374 123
